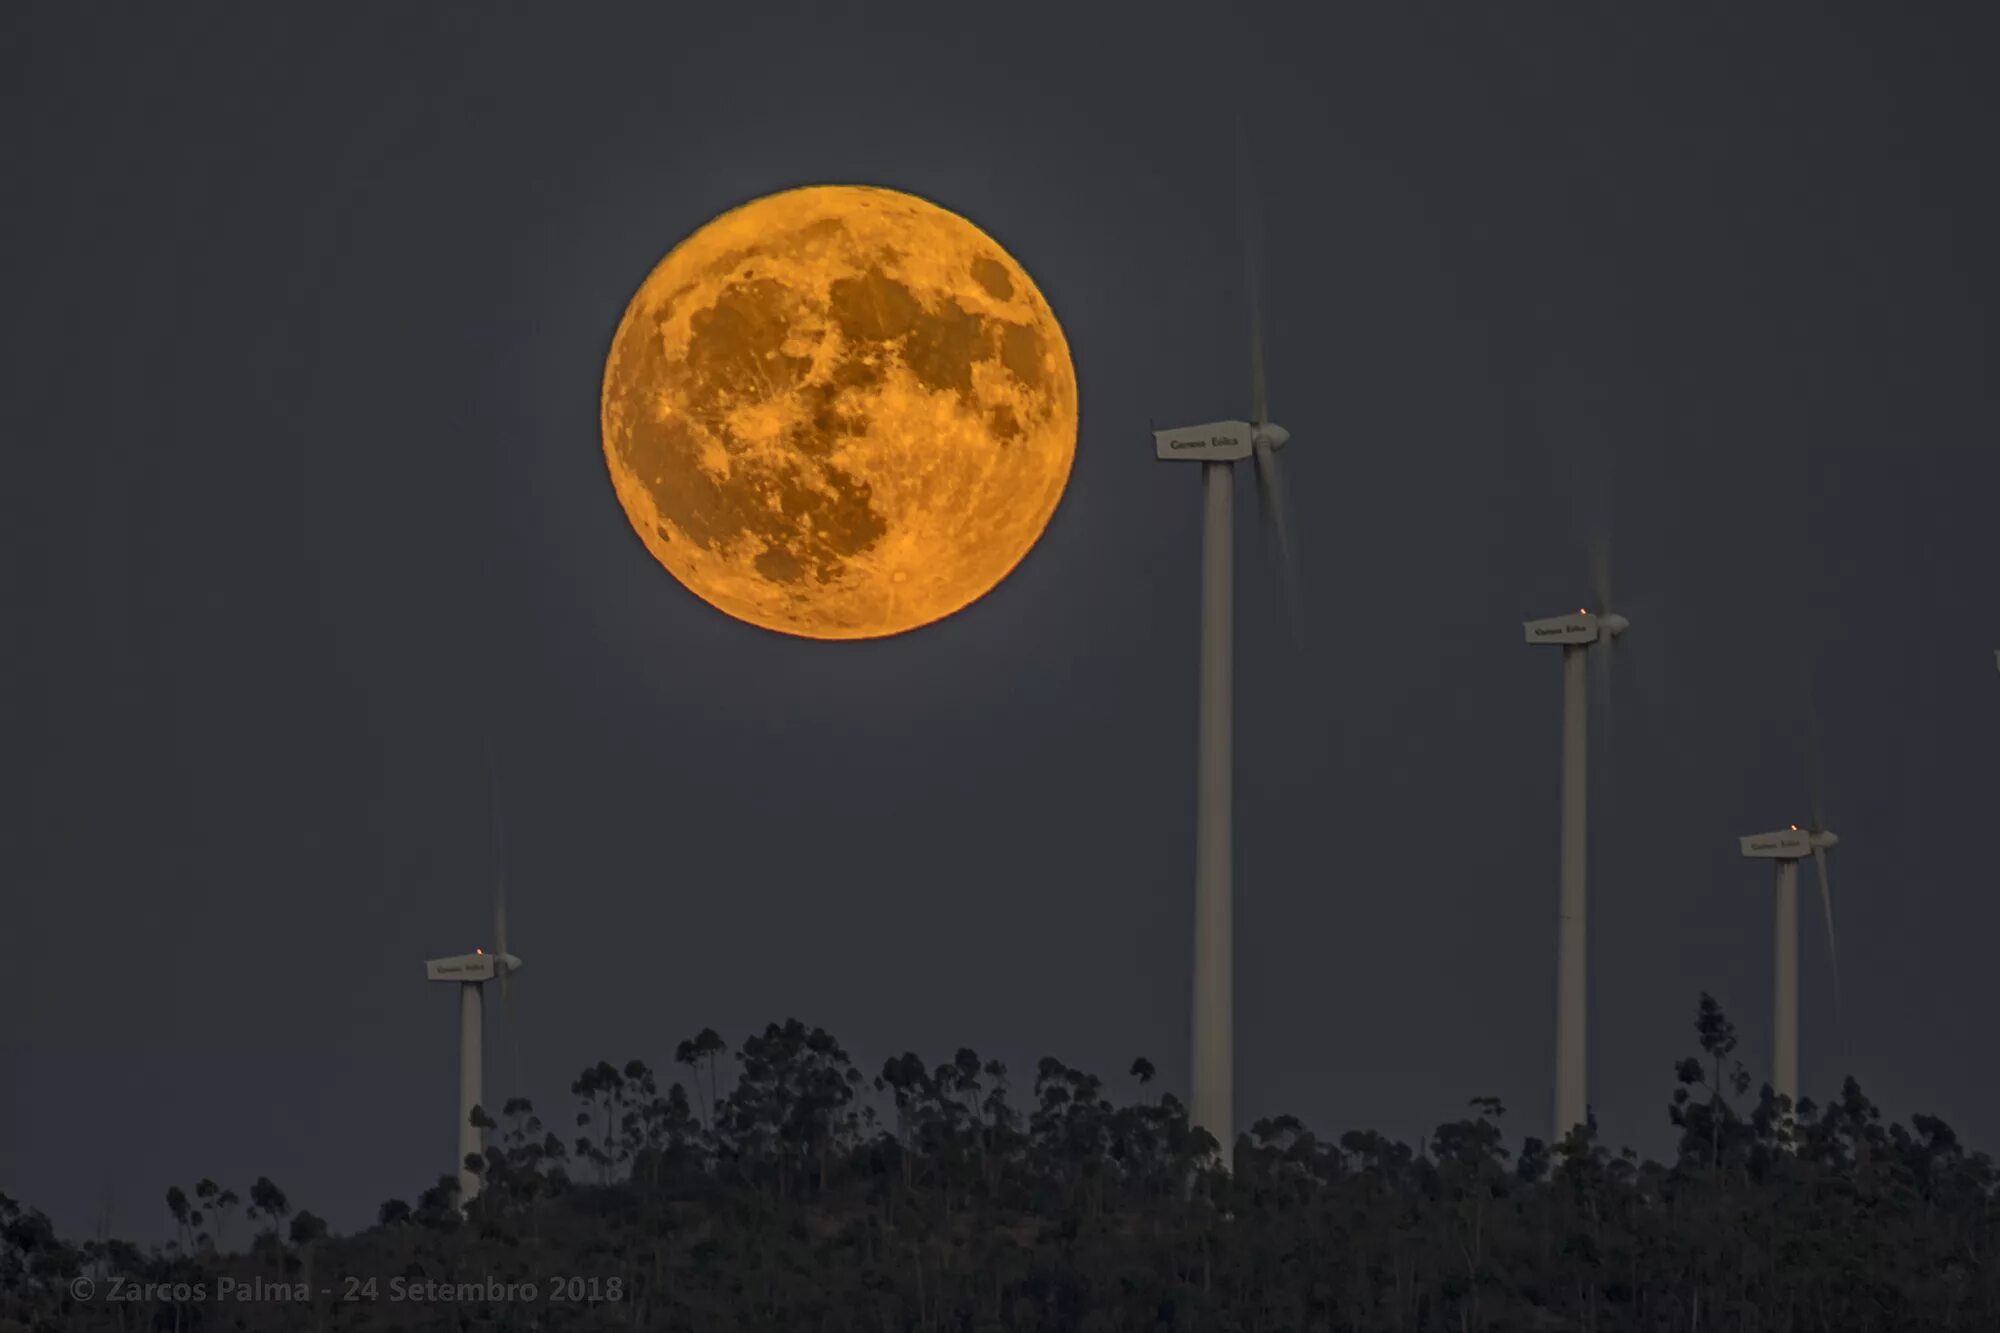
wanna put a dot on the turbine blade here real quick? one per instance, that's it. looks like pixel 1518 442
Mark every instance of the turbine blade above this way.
pixel 1826 902
pixel 499 860
pixel 1260 399
pixel 1600 573
pixel 1284 556
pixel 1250 218
pixel 1609 855
pixel 1606 649
pixel 1604 726
pixel 1603 653
pixel 1815 776
pixel 1815 755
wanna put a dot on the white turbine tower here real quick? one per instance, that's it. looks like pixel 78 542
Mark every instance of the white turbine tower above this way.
pixel 1218 446
pixel 1788 847
pixel 472 971
pixel 1577 634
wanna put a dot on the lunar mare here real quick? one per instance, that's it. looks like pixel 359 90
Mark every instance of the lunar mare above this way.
pixel 839 412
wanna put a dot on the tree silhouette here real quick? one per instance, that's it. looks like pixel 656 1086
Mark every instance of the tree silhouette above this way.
pixel 269 1202
pixel 697 1053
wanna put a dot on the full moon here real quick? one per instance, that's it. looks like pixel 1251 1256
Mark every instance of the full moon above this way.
pixel 839 412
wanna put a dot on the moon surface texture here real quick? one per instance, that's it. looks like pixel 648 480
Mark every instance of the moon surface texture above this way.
pixel 839 412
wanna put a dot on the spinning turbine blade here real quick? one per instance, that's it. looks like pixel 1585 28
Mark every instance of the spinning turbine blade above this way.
pixel 1600 582
pixel 499 867
pixel 1603 771
pixel 1816 800
pixel 1250 220
pixel 1277 515
pixel 1826 902
pixel 1260 403
pixel 1600 572
pixel 1815 756
pixel 1816 782
pixel 1270 475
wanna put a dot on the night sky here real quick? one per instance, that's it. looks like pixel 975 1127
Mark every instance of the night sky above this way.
pixel 306 319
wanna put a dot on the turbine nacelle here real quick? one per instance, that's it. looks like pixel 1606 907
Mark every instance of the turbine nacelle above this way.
pixel 475 966
pixel 1581 627
pixel 1791 844
pixel 1217 441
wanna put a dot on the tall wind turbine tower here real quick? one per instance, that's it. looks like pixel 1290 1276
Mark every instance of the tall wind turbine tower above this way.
pixel 472 971
pixel 1577 634
pixel 1788 847
pixel 1218 446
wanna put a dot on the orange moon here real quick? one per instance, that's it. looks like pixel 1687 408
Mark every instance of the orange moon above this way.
pixel 839 412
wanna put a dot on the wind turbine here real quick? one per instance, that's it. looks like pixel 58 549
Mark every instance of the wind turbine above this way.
pixel 1577 634
pixel 1218 446
pixel 1788 847
pixel 472 971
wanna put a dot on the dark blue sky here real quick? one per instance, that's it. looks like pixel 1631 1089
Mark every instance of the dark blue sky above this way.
pixel 307 313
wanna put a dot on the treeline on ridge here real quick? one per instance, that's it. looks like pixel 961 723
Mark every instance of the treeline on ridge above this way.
pixel 770 1191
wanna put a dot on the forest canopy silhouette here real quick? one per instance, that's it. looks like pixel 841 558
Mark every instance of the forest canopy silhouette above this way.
pixel 779 1188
